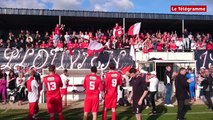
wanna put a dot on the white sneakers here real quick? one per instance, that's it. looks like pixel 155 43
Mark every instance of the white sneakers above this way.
pixel 169 105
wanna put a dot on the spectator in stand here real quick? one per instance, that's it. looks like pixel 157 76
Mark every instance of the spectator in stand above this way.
pixel 1 43
pixel 209 45
pixel 179 44
pixel 67 37
pixel 8 44
pixel 199 45
pixel 16 43
pixel 75 44
pixel 69 45
pixel 191 37
pixel 43 45
pixel 59 46
pixel 22 35
pixel 57 34
pixel 193 44
pixel 145 54
pixel 20 82
pixel 22 45
pixel 3 87
pixel 37 38
pixel 160 46
pixel 46 37
pixel 50 44
pixel 186 41
pixel 126 44
pixel 11 37
pixel 84 44
pixel 172 46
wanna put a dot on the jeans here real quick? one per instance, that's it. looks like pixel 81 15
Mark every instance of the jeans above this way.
pixel 168 94
pixel 55 39
pixel 186 43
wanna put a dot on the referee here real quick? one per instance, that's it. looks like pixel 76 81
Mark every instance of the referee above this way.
pixel 139 86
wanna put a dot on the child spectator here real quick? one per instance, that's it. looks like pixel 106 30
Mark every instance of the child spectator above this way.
pixel 20 82
pixel 43 45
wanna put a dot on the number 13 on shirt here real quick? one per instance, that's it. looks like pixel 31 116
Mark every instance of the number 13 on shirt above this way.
pixel 51 86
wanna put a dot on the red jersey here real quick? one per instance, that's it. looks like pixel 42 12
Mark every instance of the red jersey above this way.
pixel 49 45
pixel 84 45
pixel 209 46
pixel 57 30
pixel 53 83
pixel 111 82
pixel 69 45
pixel 93 84
pixel 43 45
pixel 173 46
pixel 59 45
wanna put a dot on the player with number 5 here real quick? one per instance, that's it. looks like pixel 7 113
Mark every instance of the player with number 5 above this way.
pixel 93 86
pixel 111 81
pixel 53 83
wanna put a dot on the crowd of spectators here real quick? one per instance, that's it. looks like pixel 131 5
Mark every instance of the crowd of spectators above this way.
pixel 147 42
pixel 13 84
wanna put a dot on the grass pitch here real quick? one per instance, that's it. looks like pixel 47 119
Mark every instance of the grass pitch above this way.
pixel 195 112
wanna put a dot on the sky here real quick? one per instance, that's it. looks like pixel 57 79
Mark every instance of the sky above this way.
pixel 140 6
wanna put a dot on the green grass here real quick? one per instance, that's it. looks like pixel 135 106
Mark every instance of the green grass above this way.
pixel 195 112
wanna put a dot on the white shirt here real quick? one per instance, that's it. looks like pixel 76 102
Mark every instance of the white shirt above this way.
pixel 67 37
pixel 153 84
pixel 64 80
pixel 168 79
pixel 179 44
pixel 33 95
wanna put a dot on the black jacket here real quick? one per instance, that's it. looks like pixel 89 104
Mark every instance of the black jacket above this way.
pixel 169 74
pixel 182 87
pixel 207 84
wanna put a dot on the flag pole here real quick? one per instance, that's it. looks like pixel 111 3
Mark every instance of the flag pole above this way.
pixel 124 24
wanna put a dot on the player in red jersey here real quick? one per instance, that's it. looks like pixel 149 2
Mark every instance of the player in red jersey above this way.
pixel 53 83
pixel 33 96
pixel 111 82
pixel 93 86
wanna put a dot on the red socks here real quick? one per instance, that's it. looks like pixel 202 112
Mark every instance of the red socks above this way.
pixel 51 118
pixel 113 115
pixel 61 117
pixel 104 115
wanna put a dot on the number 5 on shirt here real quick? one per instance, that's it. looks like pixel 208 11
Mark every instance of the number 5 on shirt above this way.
pixel 92 85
